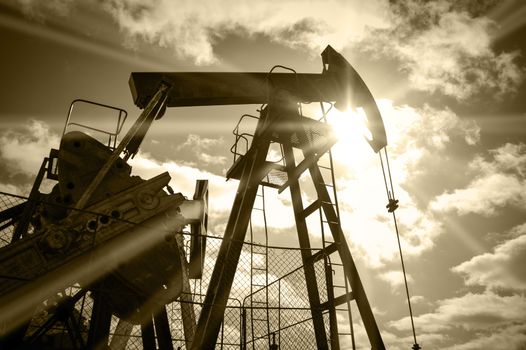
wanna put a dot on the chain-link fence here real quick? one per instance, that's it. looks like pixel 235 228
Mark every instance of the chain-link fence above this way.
pixel 268 304
pixel 13 207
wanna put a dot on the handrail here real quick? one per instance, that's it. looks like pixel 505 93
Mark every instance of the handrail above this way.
pixel 123 114
pixel 238 136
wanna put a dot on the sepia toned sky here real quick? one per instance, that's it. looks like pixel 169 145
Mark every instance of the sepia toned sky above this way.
pixel 448 76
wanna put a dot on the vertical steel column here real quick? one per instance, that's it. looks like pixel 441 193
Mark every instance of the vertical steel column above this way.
pixel 148 335
pixel 230 250
pixel 335 341
pixel 244 329
pixel 99 329
pixel 185 300
pixel 303 238
pixel 162 329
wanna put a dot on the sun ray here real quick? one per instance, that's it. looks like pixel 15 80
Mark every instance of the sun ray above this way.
pixel 510 15
pixel 73 40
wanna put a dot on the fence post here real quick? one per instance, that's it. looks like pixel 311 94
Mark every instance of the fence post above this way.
pixel 244 329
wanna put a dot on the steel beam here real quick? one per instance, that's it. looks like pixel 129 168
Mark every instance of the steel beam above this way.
pixel 206 89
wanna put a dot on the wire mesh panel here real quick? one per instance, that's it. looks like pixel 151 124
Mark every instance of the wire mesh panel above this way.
pixel 288 318
pixel 12 203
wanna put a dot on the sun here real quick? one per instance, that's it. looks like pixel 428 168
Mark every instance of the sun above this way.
pixel 350 128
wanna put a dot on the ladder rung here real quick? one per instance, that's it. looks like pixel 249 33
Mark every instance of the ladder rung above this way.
pixel 258 302
pixel 331 248
pixel 343 298
pixel 330 222
pixel 311 208
pixel 338 300
pixel 341 334
pixel 256 253
pixel 259 268
pixel 302 166
pixel 259 285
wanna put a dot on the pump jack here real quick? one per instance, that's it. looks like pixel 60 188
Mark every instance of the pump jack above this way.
pixel 90 212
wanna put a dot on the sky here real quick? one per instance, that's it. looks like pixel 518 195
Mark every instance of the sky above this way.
pixel 449 80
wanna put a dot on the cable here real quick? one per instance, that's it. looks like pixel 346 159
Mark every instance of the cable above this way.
pixel 391 207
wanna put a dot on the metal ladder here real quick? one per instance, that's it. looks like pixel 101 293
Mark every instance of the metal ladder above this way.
pixel 335 275
pixel 259 311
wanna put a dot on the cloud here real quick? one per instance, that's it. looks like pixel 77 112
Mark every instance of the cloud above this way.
pixel 395 279
pixel 484 195
pixel 417 299
pixel 192 29
pixel 445 46
pixel 499 182
pixel 486 311
pixel 199 148
pixel 195 141
pixel 39 9
pixel 12 189
pixel 22 151
pixel 502 269
pixel 394 342
pixel 418 132
pixel 513 337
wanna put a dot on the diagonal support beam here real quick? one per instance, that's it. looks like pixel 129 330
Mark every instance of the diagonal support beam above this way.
pixel 228 257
